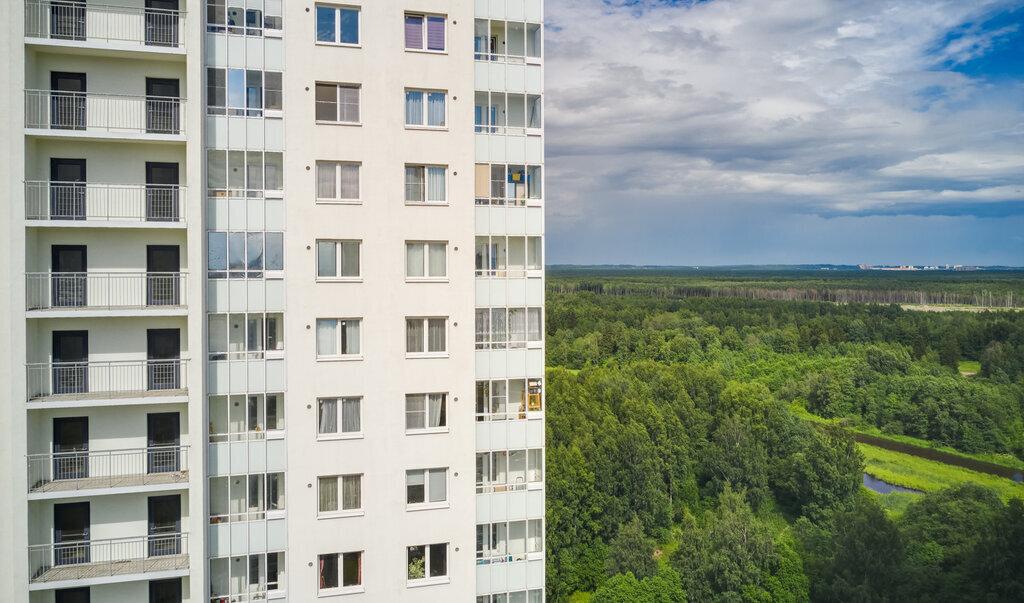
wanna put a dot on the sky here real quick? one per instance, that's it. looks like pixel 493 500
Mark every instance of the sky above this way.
pixel 784 132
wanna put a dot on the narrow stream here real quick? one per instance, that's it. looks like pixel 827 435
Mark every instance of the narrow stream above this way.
pixel 943 457
pixel 883 487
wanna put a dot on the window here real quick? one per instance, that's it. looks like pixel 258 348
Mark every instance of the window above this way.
pixel 351 574
pixel 499 184
pixel 507 41
pixel 424 32
pixel 498 328
pixel 426 486
pixel 513 257
pixel 337 25
pixel 337 259
pixel 424 108
pixel 506 113
pixel 245 497
pixel 504 470
pixel 244 254
pixel 249 21
pixel 243 173
pixel 246 417
pixel 247 577
pixel 337 181
pixel 508 541
pixel 426 412
pixel 426 336
pixel 338 337
pixel 243 92
pixel 426 260
pixel 337 103
pixel 501 399
pixel 240 336
pixel 425 184
pixel 351 417
pixel 340 494
pixel 428 563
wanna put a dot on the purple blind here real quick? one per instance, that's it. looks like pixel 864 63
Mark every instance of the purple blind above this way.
pixel 435 33
pixel 413 32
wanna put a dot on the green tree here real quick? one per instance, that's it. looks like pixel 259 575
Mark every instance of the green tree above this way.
pixel 631 551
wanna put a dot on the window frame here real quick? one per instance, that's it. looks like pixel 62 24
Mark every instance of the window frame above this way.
pixel 339 261
pixel 261 353
pixel 279 584
pixel 337 8
pixel 258 512
pixel 338 165
pixel 427 428
pixel 424 125
pixel 224 239
pixel 426 263
pixel 426 177
pixel 341 511
pixel 262 431
pixel 426 353
pixel 339 340
pixel 423 32
pixel 341 588
pixel 337 104
pixel 426 579
pixel 426 504
pixel 338 434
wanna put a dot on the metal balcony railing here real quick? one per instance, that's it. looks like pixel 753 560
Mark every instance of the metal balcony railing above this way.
pixel 90 559
pixel 51 200
pixel 103 113
pixel 118 379
pixel 87 469
pixel 104 290
pixel 88 22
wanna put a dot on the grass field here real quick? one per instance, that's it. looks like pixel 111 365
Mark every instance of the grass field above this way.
pixel 969 366
pixel 928 476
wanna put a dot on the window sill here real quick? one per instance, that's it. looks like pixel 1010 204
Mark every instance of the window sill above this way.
pixel 338 44
pixel 426 51
pixel 416 279
pixel 427 203
pixel 419 355
pixel 346 590
pixel 339 202
pixel 341 514
pixel 428 128
pixel 339 279
pixel 427 582
pixel 339 436
pixel 427 506
pixel 338 123
pixel 339 358
pixel 426 431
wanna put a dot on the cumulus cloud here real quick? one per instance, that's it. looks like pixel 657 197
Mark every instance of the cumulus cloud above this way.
pixel 810 107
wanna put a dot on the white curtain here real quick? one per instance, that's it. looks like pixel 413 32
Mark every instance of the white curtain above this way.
pixel 483 329
pixel 326 180
pixel 535 324
pixel 437 252
pixel 328 416
pixel 349 180
pixel 436 335
pixel 326 259
pixel 498 334
pixel 414 411
pixel 435 184
pixel 414 259
pixel 535 467
pixel 350 258
pixel 413 335
pixel 328 494
pixel 517 326
pixel 326 337
pixel 351 337
pixel 348 101
pixel 414 107
pixel 350 420
pixel 435 109
pixel 414 183
pixel 438 485
pixel 535 536
pixel 352 491
pixel 436 410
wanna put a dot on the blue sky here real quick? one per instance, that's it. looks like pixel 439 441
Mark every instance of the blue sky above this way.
pixel 785 131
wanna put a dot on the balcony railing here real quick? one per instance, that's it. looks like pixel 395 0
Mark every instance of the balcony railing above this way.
pixel 103 113
pixel 51 381
pixel 71 471
pixel 104 290
pixel 89 22
pixel 93 559
pixel 49 200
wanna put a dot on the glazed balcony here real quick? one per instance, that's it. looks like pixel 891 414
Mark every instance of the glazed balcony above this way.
pixel 85 203
pixel 93 293
pixel 150 380
pixel 68 473
pixel 78 24
pixel 94 560
pixel 111 116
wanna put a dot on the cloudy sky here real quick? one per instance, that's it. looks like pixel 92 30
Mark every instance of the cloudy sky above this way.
pixel 785 131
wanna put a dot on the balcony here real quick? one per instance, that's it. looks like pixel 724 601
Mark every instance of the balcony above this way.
pixel 95 560
pixel 88 25
pixel 89 203
pixel 51 383
pixel 103 293
pixel 68 473
pixel 112 116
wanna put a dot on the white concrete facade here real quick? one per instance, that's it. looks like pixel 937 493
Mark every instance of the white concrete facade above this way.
pixel 310 367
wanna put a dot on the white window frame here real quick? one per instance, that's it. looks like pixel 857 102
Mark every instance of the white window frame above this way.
pixel 423 125
pixel 358 199
pixel 425 201
pixel 426 338
pixel 423 32
pixel 255 509
pixel 337 104
pixel 338 434
pixel 271 588
pixel 427 580
pixel 427 504
pixel 340 511
pixel 488 482
pixel 339 329
pixel 262 429
pixel 338 259
pixel 426 278
pixel 427 428
pixel 259 353
pixel 337 25
pixel 341 589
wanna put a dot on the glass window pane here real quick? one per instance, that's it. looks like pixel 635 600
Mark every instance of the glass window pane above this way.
pixel 328 494
pixel 435 109
pixel 326 102
pixel 349 25
pixel 327 337
pixel 414 486
pixel 352 492
pixel 274 168
pixel 414 335
pixel 436 410
pixel 414 259
pixel 218 251
pixel 275 250
pixel 436 335
pixel 326 258
pixel 415 406
pixel 414 186
pixel 438 485
pixel 325 23
pixel 414 107
pixel 352 569
pixel 437 252
pixel 438 560
pixel 349 180
pixel 329 571
pixel 254 251
pixel 350 258
pixel 216 170
pixel 328 419
pixel 435 33
pixel 326 180
pixel 435 184
pixel 351 337
pixel 350 415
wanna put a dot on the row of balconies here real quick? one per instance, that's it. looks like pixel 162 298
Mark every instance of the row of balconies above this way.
pixel 57 474
pixel 66 292
pixel 95 560
pixel 100 380
pixel 73 113
pixel 67 22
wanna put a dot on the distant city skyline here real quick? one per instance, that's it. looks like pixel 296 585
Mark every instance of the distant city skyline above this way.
pixel 790 132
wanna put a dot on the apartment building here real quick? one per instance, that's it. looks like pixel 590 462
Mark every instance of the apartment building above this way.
pixel 275 299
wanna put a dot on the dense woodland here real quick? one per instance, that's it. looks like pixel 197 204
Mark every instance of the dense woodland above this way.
pixel 679 471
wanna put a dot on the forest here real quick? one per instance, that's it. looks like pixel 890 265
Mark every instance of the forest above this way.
pixel 702 449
